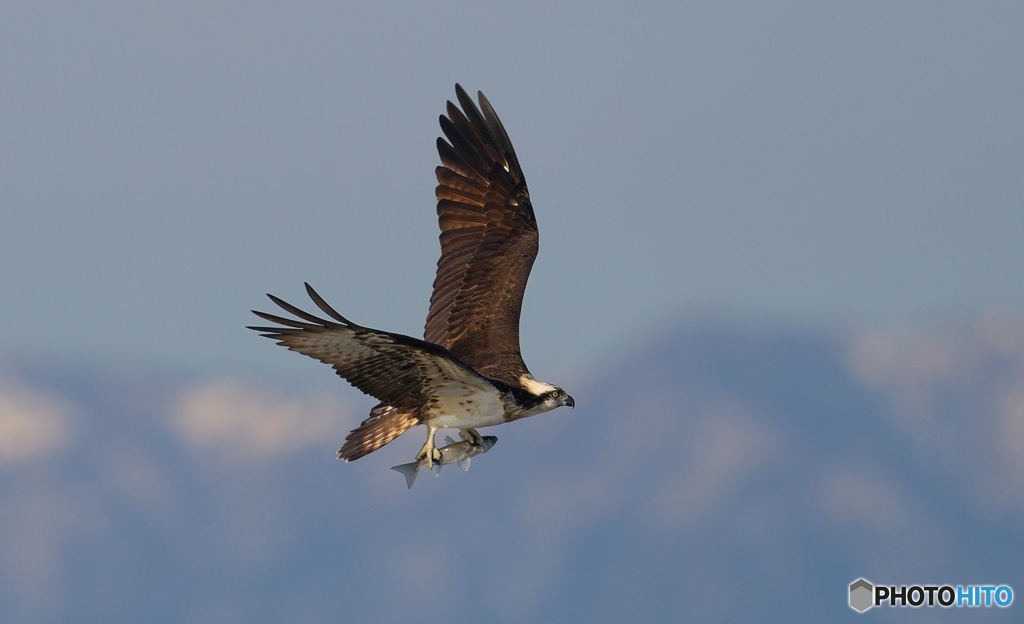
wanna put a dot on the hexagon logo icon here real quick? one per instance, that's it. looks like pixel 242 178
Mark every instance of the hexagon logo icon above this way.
pixel 861 591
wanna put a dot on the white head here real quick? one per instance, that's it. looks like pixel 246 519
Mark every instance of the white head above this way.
pixel 551 396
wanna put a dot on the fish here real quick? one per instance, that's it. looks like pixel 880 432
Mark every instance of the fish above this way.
pixel 454 453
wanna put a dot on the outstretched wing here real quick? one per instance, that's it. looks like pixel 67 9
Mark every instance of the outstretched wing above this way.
pixel 488 242
pixel 400 371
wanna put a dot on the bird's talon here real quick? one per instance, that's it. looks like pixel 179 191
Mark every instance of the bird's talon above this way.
pixel 472 436
pixel 429 452
pixel 433 456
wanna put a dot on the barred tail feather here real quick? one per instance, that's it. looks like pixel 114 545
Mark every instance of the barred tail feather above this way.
pixel 384 425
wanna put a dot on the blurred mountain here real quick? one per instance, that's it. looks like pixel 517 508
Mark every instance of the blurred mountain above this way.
pixel 724 472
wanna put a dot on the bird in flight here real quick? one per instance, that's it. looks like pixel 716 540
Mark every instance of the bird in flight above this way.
pixel 467 372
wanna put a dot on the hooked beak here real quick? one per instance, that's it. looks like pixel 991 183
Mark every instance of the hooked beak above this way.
pixel 568 401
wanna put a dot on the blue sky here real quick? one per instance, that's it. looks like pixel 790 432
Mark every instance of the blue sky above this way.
pixel 165 165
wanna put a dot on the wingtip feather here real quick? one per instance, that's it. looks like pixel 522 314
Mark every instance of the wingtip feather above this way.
pixel 326 307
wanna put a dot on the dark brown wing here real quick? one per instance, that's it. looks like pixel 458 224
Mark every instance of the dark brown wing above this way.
pixel 488 242
pixel 400 371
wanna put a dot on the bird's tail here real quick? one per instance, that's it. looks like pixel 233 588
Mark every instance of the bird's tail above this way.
pixel 384 425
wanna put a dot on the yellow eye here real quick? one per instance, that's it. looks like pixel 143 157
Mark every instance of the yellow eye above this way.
pixel 556 394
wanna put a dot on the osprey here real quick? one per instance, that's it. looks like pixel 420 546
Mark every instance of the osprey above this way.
pixel 468 371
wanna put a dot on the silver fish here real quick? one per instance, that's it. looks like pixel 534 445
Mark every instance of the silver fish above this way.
pixel 454 453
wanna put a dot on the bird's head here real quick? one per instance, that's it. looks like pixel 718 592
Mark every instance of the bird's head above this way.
pixel 543 395
pixel 559 398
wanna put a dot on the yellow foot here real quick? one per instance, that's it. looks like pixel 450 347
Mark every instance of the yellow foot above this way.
pixel 472 436
pixel 433 455
pixel 428 451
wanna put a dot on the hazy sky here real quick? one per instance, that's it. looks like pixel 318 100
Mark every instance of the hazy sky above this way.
pixel 164 165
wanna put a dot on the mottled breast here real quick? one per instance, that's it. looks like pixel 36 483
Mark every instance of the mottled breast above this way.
pixel 463 405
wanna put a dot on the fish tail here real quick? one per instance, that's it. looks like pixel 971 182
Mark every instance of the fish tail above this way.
pixel 408 471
